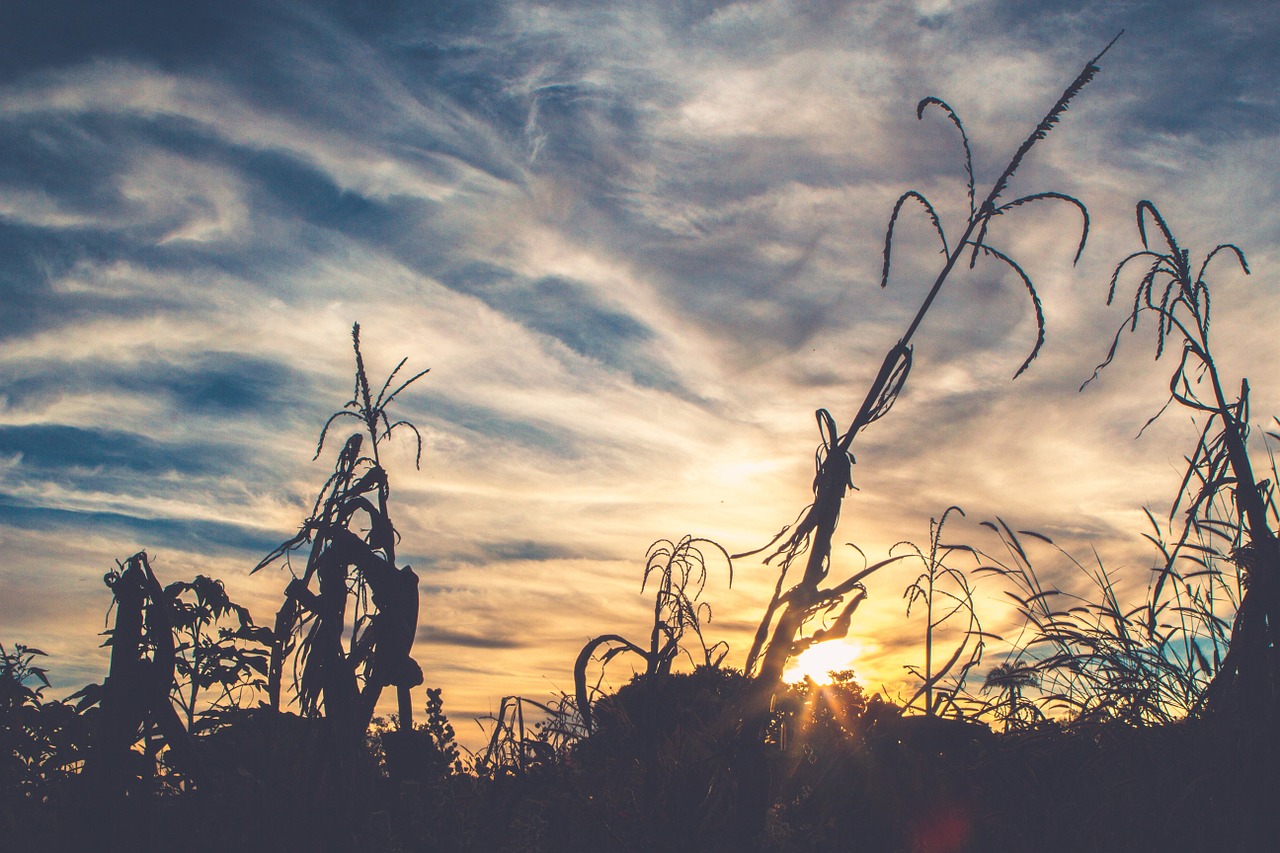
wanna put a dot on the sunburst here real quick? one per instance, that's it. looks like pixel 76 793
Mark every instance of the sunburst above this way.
pixel 821 659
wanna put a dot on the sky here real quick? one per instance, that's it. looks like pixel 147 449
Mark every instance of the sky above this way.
pixel 637 244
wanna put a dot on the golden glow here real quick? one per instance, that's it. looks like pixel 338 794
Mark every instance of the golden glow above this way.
pixel 821 659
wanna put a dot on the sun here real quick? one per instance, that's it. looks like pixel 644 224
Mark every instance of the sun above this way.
pixel 819 660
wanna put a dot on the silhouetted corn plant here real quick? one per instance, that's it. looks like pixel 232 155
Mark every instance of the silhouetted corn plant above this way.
pixel 136 703
pixel 353 561
pixel 811 535
pixel 1244 696
pixel 681 571
pixel 1219 466
pixel 945 594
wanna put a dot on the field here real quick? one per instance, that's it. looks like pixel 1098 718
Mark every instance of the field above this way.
pixel 1089 721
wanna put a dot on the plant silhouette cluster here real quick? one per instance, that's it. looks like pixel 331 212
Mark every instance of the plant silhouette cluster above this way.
pixel 681 571
pixel 1094 723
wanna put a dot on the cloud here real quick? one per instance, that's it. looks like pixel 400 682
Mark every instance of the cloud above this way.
pixel 212 383
pixel 53 446
pixel 433 634
pixel 194 535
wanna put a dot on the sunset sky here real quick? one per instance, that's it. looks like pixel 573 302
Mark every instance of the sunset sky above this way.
pixel 637 244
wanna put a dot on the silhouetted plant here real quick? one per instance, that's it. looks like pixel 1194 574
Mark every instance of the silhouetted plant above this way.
pixel 517 746
pixel 136 698
pixel 1225 507
pixel 21 685
pixel 230 661
pixel 16 670
pixel 42 743
pixel 441 730
pixel 1179 299
pixel 428 752
pixel 356 569
pixel 681 571
pixel 1008 680
pixel 945 593
pixel 1194 593
pixel 1096 656
pixel 656 761
pixel 811 535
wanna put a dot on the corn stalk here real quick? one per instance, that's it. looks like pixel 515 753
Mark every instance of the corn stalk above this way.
pixel 1246 680
pixel 776 640
pixel 136 694
pixel 350 568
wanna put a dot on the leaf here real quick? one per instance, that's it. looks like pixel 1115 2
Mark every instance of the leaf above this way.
pixel 893 219
pixel 964 139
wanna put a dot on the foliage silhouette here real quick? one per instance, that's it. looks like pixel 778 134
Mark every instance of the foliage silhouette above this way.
pixel 681 571
pixel 811 535
pixel 232 662
pixel 351 569
pixel 23 750
pixel 945 593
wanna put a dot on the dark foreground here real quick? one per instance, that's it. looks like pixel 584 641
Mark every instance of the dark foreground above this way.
pixel 663 771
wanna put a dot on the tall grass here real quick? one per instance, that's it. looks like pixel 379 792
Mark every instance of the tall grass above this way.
pixel 516 745
pixel 1092 655
pixel 946 594
pixel 1220 498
